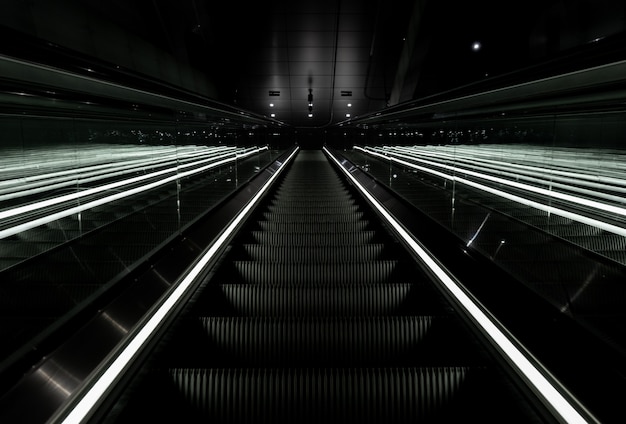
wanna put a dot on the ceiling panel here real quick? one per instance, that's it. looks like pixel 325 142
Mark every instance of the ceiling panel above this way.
pixel 311 69
pixel 354 39
pixel 278 68
pixel 308 39
pixel 312 22
pixel 355 68
pixel 296 46
pixel 352 54
pixel 311 54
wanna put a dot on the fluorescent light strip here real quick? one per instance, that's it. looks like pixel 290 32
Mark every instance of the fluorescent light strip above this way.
pixel 16 229
pixel 121 168
pixel 542 191
pixel 26 161
pixel 549 209
pixel 529 173
pixel 544 388
pixel 29 185
pixel 90 399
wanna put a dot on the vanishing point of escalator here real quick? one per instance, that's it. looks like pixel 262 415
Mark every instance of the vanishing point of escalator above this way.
pixel 316 314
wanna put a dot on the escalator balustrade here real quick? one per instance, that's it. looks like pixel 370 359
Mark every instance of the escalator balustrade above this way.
pixel 316 314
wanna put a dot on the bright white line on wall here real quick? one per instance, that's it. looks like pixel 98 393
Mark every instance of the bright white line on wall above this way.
pixel 90 399
pixel 549 193
pixel 544 388
pixel 70 211
pixel 42 183
pixel 550 209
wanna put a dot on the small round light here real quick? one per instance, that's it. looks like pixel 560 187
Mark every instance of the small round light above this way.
pixel 476 46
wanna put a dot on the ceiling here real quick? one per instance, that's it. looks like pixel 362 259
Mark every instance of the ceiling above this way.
pixel 353 57
pixel 275 57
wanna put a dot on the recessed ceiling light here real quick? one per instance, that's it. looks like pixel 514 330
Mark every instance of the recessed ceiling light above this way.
pixel 271 104
pixel 349 104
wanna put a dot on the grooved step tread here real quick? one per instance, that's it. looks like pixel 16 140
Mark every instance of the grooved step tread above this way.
pixel 362 272
pixel 313 340
pixel 316 299
pixel 315 254
pixel 321 395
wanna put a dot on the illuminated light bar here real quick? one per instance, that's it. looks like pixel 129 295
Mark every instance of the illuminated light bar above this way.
pixel 35 184
pixel 549 193
pixel 117 366
pixel 120 195
pixel 537 205
pixel 533 373
pixel 523 172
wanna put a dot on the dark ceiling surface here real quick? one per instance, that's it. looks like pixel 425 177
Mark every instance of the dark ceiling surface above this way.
pixel 273 57
pixel 357 57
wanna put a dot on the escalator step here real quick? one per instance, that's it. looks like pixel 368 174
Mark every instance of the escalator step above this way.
pixel 315 300
pixel 321 395
pixel 276 217
pixel 319 254
pixel 277 273
pixel 317 340
pixel 321 202
pixel 312 208
pixel 313 239
pixel 314 227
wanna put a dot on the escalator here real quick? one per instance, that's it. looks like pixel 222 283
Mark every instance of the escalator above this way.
pixel 317 314
pixel 55 275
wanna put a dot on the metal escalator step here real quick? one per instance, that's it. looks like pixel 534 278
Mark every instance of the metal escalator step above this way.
pixel 314 227
pixel 313 239
pixel 293 217
pixel 321 395
pixel 321 201
pixel 317 299
pixel 317 340
pixel 361 272
pixel 313 185
pixel 319 254
pixel 313 209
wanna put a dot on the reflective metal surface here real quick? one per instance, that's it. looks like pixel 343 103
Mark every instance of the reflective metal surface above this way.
pixel 55 380
pixel 562 301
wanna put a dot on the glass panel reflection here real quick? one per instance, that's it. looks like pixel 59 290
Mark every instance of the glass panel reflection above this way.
pixel 543 198
pixel 84 202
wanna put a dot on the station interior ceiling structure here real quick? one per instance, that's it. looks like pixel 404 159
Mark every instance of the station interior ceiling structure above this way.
pixel 357 57
pixel 348 58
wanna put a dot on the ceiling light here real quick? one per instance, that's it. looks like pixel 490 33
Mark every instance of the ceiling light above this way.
pixel 310 115
pixel 349 104
pixel 273 115
pixel 347 115
pixel 271 104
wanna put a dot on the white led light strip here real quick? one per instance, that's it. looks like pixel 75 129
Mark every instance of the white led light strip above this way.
pixel 221 160
pixel 531 373
pixel 92 397
pixel 28 185
pixel 550 209
pixel 548 193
